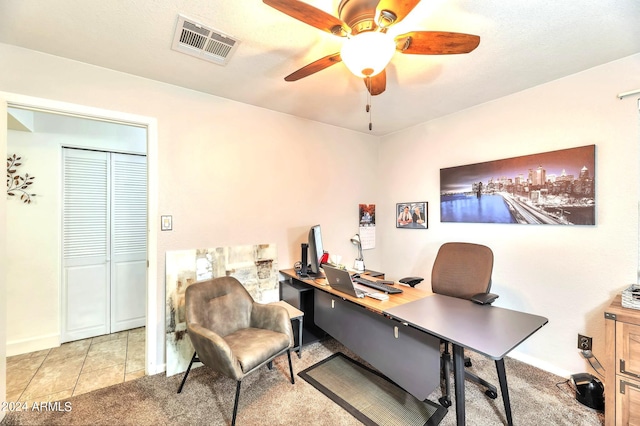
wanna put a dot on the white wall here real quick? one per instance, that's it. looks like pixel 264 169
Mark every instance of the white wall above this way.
pixel 33 230
pixel 568 274
pixel 3 276
pixel 234 174
pixel 33 248
pixel 228 173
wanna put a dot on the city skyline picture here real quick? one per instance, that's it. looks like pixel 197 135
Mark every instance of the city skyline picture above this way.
pixel 551 188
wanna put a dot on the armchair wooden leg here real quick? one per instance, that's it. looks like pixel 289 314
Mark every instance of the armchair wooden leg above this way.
pixel 194 358
pixel 290 366
pixel 235 404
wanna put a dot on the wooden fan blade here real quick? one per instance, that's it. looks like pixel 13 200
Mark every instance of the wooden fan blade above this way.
pixel 314 67
pixel 436 43
pixel 310 15
pixel 400 8
pixel 376 84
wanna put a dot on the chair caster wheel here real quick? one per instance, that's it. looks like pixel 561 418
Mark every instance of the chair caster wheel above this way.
pixel 444 401
pixel 467 364
pixel 491 394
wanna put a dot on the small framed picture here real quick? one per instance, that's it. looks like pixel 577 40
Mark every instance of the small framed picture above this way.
pixel 166 223
pixel 413 215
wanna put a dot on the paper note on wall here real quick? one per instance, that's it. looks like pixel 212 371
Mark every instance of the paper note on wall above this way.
pixel 368 237
pixel 367 219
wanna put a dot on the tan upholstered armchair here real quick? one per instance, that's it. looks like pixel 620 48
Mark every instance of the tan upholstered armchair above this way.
pixel 231 333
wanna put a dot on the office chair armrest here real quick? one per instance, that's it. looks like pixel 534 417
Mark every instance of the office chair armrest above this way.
pixel 484 298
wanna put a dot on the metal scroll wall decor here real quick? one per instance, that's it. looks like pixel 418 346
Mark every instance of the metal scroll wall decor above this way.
pixel 18 184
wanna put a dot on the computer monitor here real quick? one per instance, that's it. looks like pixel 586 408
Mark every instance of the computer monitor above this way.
pixel 315 249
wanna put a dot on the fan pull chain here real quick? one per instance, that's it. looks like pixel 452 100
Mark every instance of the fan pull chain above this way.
pixel 368 108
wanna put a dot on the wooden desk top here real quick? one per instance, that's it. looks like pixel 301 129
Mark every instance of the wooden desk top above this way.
pixel 409 294
pixel 294 313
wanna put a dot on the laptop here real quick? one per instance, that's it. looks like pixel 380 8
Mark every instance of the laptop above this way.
pixel 340 279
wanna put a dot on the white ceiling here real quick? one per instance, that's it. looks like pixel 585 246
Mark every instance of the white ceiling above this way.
pixel 524 43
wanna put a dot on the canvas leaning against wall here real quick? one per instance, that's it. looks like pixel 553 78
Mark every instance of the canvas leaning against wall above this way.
pixel 551 188
pixel 255 266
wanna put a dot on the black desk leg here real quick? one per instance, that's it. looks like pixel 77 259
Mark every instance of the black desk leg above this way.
pixel 458 377
pixel 300 327
pixel 502 377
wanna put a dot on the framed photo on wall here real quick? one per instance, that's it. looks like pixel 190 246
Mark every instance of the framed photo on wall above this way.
pixel 412 215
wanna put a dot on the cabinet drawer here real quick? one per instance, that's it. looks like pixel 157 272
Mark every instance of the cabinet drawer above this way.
pixel 627 401
pixel 628 350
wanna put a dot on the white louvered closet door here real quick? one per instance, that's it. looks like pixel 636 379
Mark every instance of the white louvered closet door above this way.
pixel 85 242
pixel 104 243
pixel 128 241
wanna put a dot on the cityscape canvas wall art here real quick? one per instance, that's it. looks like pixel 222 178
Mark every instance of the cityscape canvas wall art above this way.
pixel 255 266
pixel 551 188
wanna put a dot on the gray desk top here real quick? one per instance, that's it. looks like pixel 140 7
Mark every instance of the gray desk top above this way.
pixel 486 329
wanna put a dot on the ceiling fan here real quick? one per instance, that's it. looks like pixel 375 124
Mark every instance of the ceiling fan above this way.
pixel 368 48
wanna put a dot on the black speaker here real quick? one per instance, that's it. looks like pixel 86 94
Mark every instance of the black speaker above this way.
pixel 589 390
pixel 303 259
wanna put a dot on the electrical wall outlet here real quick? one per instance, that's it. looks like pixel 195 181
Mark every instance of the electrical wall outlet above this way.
pixel 584 342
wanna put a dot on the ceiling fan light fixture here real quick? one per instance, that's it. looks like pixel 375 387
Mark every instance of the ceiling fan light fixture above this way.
pixel 368 53
pixel 386 19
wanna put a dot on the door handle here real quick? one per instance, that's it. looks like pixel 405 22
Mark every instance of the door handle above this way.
pixel 628 373
pixel 624 383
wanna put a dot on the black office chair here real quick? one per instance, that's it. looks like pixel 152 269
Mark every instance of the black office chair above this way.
pixel 462 270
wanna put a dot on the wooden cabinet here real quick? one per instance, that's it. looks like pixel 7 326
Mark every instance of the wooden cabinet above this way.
pixel 622 365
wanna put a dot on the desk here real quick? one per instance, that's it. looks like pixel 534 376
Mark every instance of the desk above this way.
pixel 409 357
pixel 401 336
pixel 489 330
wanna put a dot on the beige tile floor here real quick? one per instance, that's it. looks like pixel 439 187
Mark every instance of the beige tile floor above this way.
pixel 76 367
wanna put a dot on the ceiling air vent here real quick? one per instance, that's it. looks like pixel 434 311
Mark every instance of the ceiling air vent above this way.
pixel 196 39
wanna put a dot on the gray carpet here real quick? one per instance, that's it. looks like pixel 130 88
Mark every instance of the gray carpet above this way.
pixel 268 397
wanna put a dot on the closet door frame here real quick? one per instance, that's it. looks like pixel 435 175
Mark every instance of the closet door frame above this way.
pixel 154 362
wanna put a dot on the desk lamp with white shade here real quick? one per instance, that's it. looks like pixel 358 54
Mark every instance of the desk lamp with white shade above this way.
pixel 358 265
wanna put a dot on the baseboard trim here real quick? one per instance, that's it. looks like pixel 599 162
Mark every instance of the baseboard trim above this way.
pixel 542 365
pixel 19 347
pixel 160 368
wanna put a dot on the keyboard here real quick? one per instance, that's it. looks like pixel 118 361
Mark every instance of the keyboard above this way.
pixel 376 285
